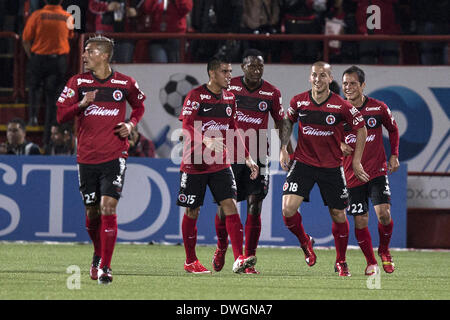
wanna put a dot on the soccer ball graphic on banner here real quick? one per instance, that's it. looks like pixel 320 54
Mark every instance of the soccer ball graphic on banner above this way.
pixel 176 89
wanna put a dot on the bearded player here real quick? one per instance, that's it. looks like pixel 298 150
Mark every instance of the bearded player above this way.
pixel 98 100
pixel 376 115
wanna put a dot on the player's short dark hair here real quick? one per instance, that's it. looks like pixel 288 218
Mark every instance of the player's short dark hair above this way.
pixel 215 61
pixel 359 72
pixel 53 2
pixel 18 121
pixel 104 43
pixel 334 87
pixel 252 53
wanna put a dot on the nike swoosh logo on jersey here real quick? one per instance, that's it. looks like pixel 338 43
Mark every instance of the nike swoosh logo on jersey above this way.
pixel 302 114
pixel 206 110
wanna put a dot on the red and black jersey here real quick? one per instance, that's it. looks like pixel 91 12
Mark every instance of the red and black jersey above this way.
pixel 96 140
pixel 205 114
pixel 376 115
pixel 320 128
pixel 253 108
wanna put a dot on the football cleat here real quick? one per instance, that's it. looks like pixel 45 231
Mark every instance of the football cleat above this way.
pixel 219 259
pixel 94 267
pixel 196 267
pixel 388 262
pixel 251 270
pixel 243 263
pixel 342 268
pixel 310 256
pixel 104 276
pixel 371 269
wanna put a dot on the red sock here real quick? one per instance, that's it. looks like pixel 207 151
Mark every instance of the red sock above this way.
pixel 108 236
pixel 221 232
pixel 385 233
pixel 365 243
pixel 189 230
pixel 294 224
pixel 252 233
pixel 340 233
pixel 234 229
pixel 93 229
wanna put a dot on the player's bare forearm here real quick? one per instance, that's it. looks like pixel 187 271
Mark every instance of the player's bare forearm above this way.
pixel 278 124
pixel 285 131
pixel 358 169
pixel 361 136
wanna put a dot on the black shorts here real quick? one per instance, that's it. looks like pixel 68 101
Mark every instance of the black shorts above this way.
pixel 376 189
pixel 103 179
pixel 247 186
pixel 331 181
pixel 193 187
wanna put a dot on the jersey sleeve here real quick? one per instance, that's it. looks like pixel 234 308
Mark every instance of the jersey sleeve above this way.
pixel 136 100
pixel 67 104
pixel 391 125
pixel 277 111
pixel 352 116
pixel 292 111
pixel 190 106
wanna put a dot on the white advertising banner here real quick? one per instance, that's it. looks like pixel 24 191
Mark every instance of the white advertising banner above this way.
pixel 419 98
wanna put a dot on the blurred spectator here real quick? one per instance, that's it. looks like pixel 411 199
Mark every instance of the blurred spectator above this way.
pixel 61 140
pixel 116 16
pixel 216 16
pixel 431 19
pixel 46 43
pixel 262 17
pixel 16 142
pixel 372 52
pixel 140 146
pixel 303 17
pixel 166 16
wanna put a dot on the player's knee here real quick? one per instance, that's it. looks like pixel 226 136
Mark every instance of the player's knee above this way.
pixel 338 215
pixel 92 212
pixel 384 214
pixel 288 210
pixel 361 221
pixel 192 213
pixel 254 208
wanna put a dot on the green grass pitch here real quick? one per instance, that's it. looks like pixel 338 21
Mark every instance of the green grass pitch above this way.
pixel 37 271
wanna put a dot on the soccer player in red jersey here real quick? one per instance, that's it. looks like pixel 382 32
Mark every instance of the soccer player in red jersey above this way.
pixel 98 100
pixel 208 116
pixel 318 159
pixel 256 99
pixel 376 115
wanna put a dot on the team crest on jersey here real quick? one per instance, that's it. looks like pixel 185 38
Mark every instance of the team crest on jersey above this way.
pixel 262 106
pixel 229 111
pixel 371 122
pixel 285 186
pixel 182 198
pixel 117 95
pixel 195 105
pixel 330 119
